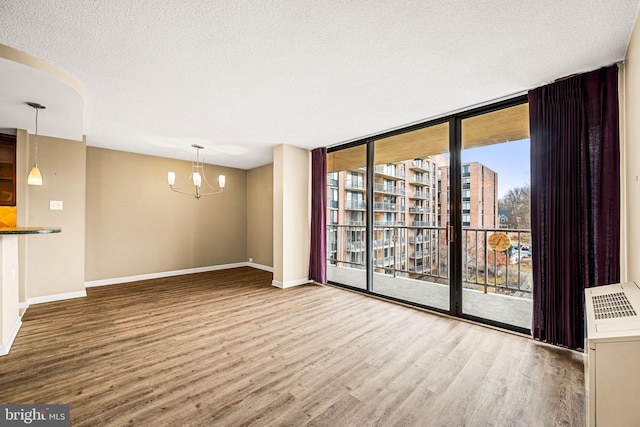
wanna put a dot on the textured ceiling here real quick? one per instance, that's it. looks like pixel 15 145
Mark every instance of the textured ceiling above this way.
pixel 240 77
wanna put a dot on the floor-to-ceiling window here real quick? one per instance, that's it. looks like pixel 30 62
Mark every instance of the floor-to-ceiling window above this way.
pixel 411 251
pixel 419 212
pixel 496 227
pixel 346 216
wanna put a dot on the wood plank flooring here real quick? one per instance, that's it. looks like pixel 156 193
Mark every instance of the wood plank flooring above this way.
pixel 226 348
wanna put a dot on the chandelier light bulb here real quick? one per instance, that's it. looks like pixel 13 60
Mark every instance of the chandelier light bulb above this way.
pixel 197 179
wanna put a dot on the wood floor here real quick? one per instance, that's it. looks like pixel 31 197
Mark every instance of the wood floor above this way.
pixel 226 348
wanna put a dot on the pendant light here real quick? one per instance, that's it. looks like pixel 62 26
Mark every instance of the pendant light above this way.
pixel 35 177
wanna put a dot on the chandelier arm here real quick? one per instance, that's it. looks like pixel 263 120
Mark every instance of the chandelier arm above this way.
pixel 175 187
pixel 215 192
pixel 179 190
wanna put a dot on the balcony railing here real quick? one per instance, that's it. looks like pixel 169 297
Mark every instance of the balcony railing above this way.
pixel 358 205
pixel 389 189
pixel 388 223
pixel 356 246
pixel 391 207
pixel 421 180
pixel 416 239
pixel 420 224
pixel 354 185
pixel 394 172
pixel 419 209
pixel 419 165
pixel 507 272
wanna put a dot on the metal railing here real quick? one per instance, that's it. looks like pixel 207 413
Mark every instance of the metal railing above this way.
pixel 392 207
pixel 507 272
pixel 390 189
pixel 419 164
pixel 351 184
pixel 395 172
pixel 359 205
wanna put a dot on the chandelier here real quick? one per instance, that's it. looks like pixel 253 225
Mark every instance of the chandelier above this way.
pixel 197 177
pixel 35 177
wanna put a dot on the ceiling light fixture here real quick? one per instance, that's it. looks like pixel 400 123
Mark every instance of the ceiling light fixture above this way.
pixel 197 176
pixel 35 177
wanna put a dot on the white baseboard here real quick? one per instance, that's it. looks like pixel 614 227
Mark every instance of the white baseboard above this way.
pixel 54 297
pixel 290 283
pixel 137 278
pixel 6 346
pixel 260 267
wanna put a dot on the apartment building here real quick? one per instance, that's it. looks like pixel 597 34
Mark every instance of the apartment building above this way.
pixel 409 199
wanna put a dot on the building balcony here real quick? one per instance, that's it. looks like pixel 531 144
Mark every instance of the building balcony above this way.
pixel 354 185
pixel 385 262
pixel 418 209
pixel 388 172
pixel 416 239
pixel 420 224
pixel 389 207
pixel 356 246
pixel 388 223
pixel 421 181
pixel 380 244
pixel 355 205
pixel 419 165
pixel 498 285
pixel 418 195
pixel 510 309
pixel 388 189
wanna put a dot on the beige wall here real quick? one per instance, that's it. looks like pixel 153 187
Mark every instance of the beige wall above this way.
pixel 260 215
pixel 54 263
pixel 631 156
pixel 291 215
pixel 136 225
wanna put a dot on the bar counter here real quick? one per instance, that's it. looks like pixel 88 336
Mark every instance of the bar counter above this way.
pixel 9 294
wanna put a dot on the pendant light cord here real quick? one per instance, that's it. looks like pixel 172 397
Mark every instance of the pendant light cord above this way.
pixel 36 157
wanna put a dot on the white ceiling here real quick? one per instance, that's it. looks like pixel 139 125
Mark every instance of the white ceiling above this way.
pixel 241 76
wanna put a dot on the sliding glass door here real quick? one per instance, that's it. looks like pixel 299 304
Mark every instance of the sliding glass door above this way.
pixel 429 216
pixel 346 216
pixel 496 229
pixel 410 246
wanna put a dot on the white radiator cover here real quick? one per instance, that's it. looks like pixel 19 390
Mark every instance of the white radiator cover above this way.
pixel 613 355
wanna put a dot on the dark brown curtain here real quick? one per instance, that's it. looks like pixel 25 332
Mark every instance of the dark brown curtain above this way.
pixel 318 258
pixel 575 199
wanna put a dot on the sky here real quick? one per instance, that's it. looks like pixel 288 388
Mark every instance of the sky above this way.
pixel 510 160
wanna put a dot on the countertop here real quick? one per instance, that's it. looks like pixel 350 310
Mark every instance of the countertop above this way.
pixel 29 230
